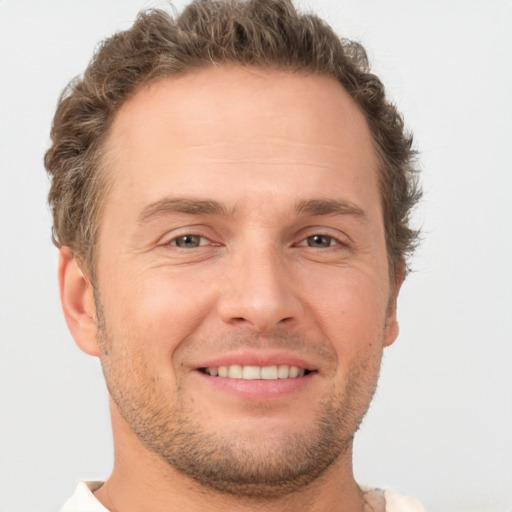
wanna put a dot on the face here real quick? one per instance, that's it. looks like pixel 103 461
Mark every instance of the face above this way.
pixel 243 292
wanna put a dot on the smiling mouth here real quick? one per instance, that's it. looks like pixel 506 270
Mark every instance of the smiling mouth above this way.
pixel 246 372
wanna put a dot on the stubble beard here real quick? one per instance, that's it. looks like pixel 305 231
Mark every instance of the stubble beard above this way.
pixel 233 465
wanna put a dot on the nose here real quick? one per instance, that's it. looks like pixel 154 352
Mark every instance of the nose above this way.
pixel 259 291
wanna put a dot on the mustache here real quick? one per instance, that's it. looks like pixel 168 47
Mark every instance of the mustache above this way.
pixel 281 339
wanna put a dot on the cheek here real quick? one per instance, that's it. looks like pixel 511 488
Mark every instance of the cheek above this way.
pixel 350 309
pixel 155 309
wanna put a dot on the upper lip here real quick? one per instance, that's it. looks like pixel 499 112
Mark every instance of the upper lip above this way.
pixel 258 358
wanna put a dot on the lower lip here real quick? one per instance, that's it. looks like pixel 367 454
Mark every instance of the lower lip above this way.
pixel 258 389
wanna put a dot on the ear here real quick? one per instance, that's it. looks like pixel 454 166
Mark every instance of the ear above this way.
pixel 391 321
pixel 77 299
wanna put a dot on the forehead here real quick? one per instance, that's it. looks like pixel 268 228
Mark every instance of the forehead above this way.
pixel 241 102
pixel 218 128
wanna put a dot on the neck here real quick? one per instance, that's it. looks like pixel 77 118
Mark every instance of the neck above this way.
pixel 141 480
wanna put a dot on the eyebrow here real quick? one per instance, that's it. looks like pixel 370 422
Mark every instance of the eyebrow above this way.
pixel 330 207
pixel 181 205
pixel 209 207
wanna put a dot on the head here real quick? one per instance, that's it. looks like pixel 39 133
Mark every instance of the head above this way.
pixel 268 34
pixel 236 189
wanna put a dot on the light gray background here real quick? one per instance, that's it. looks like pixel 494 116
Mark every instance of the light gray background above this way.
pixel 440 426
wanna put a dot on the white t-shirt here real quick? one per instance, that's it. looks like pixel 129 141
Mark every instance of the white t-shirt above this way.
pixel 84 500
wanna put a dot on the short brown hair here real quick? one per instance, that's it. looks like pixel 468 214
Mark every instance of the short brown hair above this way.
pixel 263 33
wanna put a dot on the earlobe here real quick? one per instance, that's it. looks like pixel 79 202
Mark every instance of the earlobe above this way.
pixel 77 299
pixel 392 328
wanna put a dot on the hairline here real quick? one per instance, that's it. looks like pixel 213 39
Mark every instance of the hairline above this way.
pixel 104 183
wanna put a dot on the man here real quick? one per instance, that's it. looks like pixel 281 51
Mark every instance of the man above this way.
pixel 231 193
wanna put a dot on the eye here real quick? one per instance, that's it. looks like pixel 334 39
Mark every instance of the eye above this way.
pixel 188 241
pixel 320 241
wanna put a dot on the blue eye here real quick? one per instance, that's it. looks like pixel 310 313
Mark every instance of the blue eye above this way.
pixel 320 241
pixel 187 241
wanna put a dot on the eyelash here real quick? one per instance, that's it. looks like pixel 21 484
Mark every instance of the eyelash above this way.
pixel 330 240
pixel 175 241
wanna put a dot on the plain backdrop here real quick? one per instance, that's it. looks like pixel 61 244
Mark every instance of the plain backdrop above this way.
pixel 440 427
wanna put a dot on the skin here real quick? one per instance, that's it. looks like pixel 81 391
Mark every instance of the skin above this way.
pixel 290 265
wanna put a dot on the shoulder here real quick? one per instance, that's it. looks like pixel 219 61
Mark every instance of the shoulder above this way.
pixel 397 503
pixel 83 499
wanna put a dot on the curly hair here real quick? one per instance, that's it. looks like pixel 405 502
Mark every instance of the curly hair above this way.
pixel 262 33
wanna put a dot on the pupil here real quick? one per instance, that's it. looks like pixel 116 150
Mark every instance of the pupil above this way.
pixel 188 241
pixel 320 241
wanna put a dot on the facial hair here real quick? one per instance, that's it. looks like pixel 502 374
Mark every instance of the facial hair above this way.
pixel 237 465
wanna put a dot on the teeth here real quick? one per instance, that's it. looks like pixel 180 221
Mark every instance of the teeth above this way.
pixel 269 372
pixel 294 372
pixel 283 372
pixel 236 371
pixel 251 372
